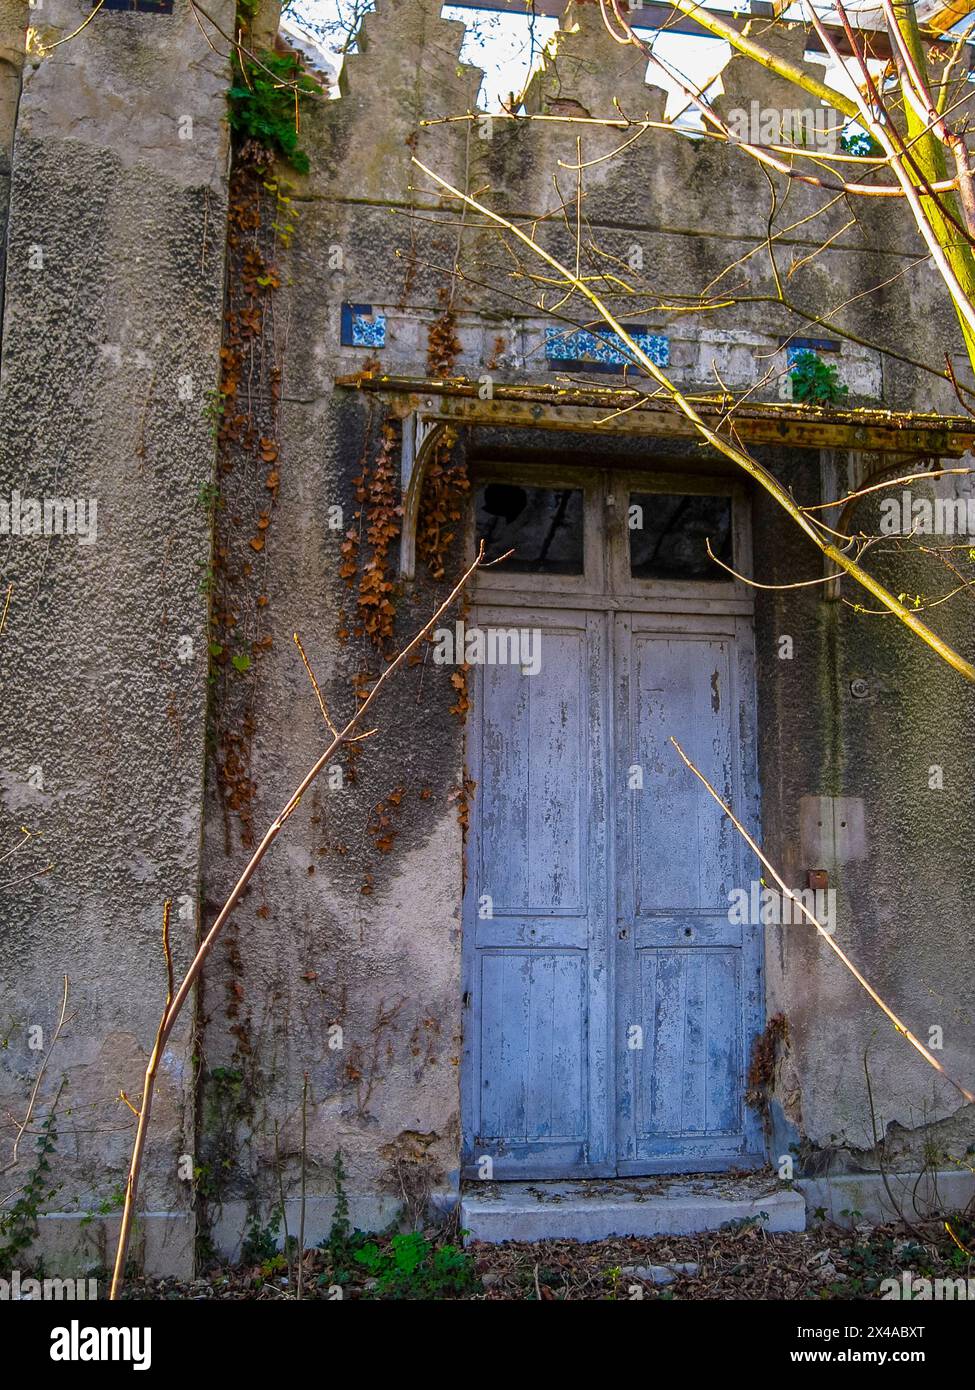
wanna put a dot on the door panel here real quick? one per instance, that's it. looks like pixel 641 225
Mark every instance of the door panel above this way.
pixel 537 1024
pixel 690 1066
pixel 683 852
pixel 688 980
pixel 534 779
pixel 533 1068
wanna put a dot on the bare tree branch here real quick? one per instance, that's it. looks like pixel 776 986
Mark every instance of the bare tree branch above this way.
pixel 174 1005
pixel 838 951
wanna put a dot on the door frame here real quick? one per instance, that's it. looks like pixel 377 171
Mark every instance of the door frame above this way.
pixel 607 587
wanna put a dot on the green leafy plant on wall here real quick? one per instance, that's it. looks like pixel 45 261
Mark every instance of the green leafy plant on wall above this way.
pixel 19 1224
pixel 814 381
pixel 264 103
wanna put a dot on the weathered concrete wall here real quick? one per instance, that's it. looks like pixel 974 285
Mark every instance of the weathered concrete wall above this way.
pixel 349 923
pixel 312 949
pixel 111 334
pixel 339 981
pixel 865 715
pixel 14 19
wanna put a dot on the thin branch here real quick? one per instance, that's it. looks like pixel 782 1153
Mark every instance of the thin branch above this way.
pixel 167 953
pixel 16 882
pixel 745 461
pixel 879 487
pixel 901 1028
pixel 754 584
pixel 50 47
pixel 171 1012
pixel 26 837
pixel 961 301
pixel 22 1127
pixel 314 683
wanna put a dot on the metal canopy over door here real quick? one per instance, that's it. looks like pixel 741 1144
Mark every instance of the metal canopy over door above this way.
pixel 609 1002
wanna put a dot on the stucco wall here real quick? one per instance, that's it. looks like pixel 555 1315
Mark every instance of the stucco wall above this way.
pixel 111 333
pixel 359 991
pixel 864 714
pixel 692 208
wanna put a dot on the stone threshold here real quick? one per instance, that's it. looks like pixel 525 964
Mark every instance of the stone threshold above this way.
pixel 596 1209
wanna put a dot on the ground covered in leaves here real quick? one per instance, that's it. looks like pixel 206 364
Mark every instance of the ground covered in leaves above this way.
pixel 743 1262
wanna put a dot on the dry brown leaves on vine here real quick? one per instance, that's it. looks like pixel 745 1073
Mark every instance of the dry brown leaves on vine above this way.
pixel 445 488
pixel 379 518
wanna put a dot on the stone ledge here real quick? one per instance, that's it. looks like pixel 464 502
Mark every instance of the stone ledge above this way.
pixel 162 1243
pixel 587 1211
pixel 367 1212
pixel 849 1198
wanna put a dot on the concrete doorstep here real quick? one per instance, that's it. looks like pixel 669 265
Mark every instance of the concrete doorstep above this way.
pixel 596 1210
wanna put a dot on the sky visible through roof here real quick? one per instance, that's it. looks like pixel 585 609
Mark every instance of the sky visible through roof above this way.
pixel 508 47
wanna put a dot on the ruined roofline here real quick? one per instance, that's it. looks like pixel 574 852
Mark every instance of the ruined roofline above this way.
pixel 664 16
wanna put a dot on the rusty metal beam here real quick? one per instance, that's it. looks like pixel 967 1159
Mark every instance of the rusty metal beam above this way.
pixel 795 433
pixel 769 9
pixel 649 16
pixel 612 411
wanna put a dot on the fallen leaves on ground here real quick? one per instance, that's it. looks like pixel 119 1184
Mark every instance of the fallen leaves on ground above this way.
pixel 739 1263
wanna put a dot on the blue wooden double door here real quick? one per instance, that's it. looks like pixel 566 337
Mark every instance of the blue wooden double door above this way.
pixel 610 1001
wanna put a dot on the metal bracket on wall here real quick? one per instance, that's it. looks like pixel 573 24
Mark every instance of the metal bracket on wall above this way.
pixel 832 830
pixel 865 470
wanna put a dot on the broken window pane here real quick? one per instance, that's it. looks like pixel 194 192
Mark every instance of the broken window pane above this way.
pixel 542 525
pixel 669 535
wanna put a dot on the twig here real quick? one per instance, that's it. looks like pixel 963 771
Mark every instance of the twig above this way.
pixel 837 950
pixel 880 487
pixel 879 1145
pixel 281 1201
pixel 301 1215
pixel 16 882
pixel 314 683
pixel 50 47
pixel 171 1012
pixel 241 48
pixel 887 137
pixel 167 952
pixel 22 1127
pixel 744 460
pixel 27 836
pixel 755 584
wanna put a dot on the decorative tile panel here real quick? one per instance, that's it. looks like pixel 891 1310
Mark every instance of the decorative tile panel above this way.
pixel 362 326
pixel 602 352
